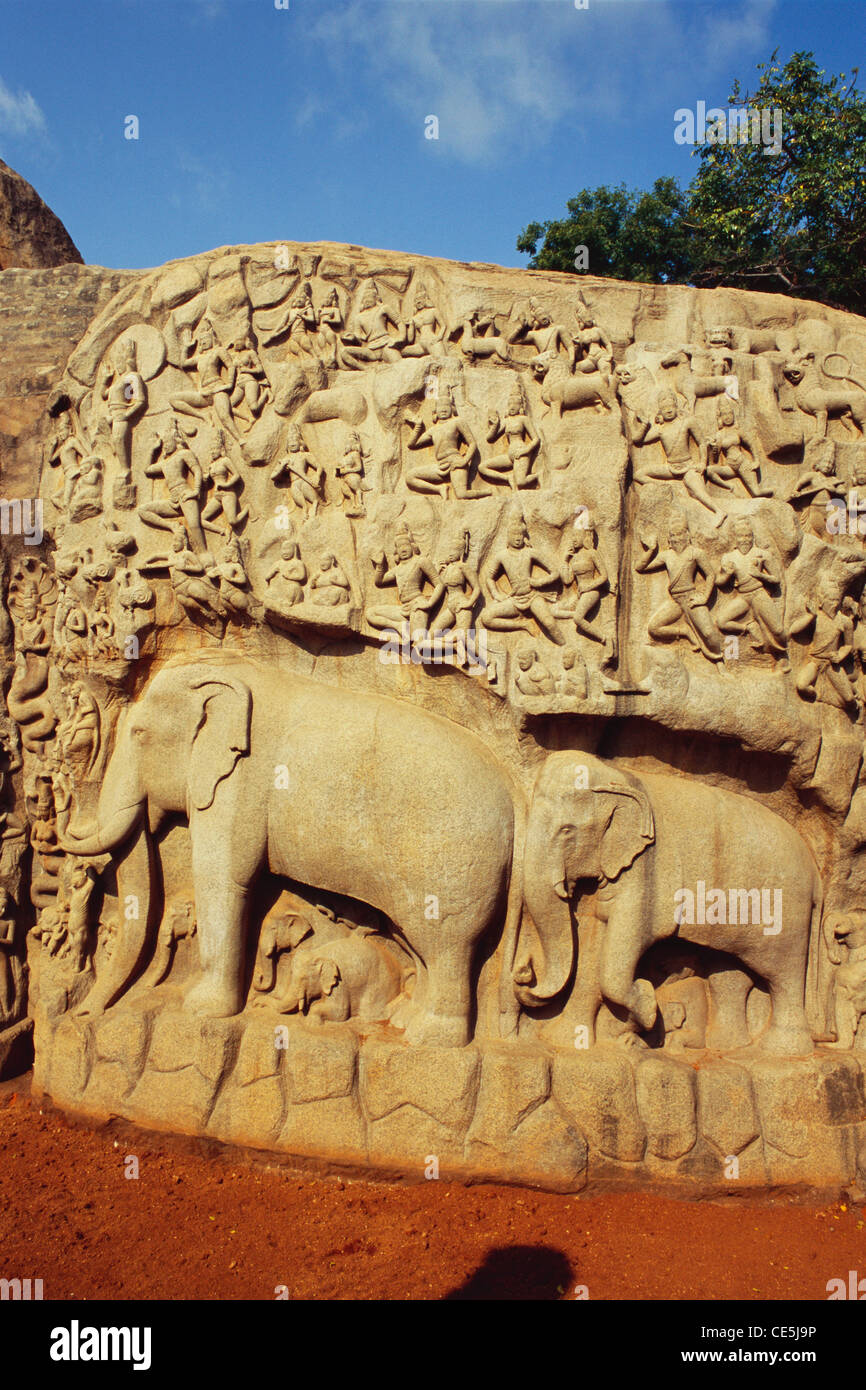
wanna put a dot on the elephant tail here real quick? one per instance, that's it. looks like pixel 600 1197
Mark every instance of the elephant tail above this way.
pixel 509 1004
pixel 818 970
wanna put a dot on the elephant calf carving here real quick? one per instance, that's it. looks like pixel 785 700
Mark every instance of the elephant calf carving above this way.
pixel 353 794
pixel 357 976
pixel 642 840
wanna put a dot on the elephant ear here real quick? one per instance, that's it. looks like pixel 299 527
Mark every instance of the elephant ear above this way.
pixel 222 736
pixel 630 827
pixel 329 976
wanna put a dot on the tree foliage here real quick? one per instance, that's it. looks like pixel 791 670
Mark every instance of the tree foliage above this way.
pixel 792 222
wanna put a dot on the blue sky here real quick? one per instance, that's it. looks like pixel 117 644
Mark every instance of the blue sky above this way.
pixel 308 122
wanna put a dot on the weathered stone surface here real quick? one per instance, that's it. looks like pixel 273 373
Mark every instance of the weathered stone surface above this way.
pixel 30 234
pixel 665 1092
pixel 597 1090
pixel 322 1065
pixel 726 1107
pixel 441 1083
pixel 511 915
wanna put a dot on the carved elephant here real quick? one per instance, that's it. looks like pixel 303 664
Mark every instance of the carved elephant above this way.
pixel 278 934
pixel 643 840
pixel 354 794
pixel 354 977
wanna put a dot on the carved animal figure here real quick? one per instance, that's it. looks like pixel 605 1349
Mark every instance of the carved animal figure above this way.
pixel 357 976
pixel 813 397
pixel 178 924
pixel 848 998
pixel 260 760
pixel 642 840
pixel 561 391
pixel 278 934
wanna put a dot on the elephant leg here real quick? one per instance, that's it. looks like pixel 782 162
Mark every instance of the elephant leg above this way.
pixel 441 1018
pixel 726 1027
pixel 788 1033
pixel 620 958
pixel 221 912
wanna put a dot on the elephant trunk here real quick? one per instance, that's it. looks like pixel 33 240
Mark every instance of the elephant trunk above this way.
pixel 547 894
pixel 121 802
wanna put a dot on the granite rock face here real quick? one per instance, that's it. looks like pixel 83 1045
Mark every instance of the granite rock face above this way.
pixel 31 236
pixel 435 715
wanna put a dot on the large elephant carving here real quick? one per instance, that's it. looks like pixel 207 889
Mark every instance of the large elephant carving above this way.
pixel 645 842
pixel 350 793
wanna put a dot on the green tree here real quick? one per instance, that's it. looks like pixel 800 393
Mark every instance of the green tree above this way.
pixel 628 236
pixel 792 222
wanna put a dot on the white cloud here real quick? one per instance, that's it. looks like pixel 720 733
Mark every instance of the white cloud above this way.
pixel 501 76
pixel 20 113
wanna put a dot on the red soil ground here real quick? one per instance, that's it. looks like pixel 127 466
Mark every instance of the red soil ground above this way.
pixel 200 1227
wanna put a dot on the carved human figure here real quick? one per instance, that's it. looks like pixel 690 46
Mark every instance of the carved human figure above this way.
pixel 227 483
pixel 732 453
pixel 350 471
pixel 330 324
pixel 446 435
pixel 70 624
pixel 752 570
pixel 573 682
pixel 330 586
pixel 410 572
pixel 685 612
pixel 536 327
pixel 830 646
pixel 65 451
pixel 251 383
pixel 376 333
pixel 122 387
pixel 462 591
pixel 584 570
pixel 307 477
pixel 102 627
pixel 593 351
pixel 217 377
pixel 179 467
pixel 532 676
pixel 193 589
pixel 426 329
pixel 298 325
pixel 846 931
pixel 527 574
pixel 820 486
pixel 522 441
pixel 78 734
pixel 290 572
pixel 676 433
pixel 232 580
pixel 81 884
pixel 87 493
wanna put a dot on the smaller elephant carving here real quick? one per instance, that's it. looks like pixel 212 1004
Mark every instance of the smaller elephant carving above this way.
pixel 178 924
pixel 357 976
pixel 848 997
pixel 283 933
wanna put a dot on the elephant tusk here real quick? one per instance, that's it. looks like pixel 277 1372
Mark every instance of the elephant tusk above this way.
pixel 562 890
